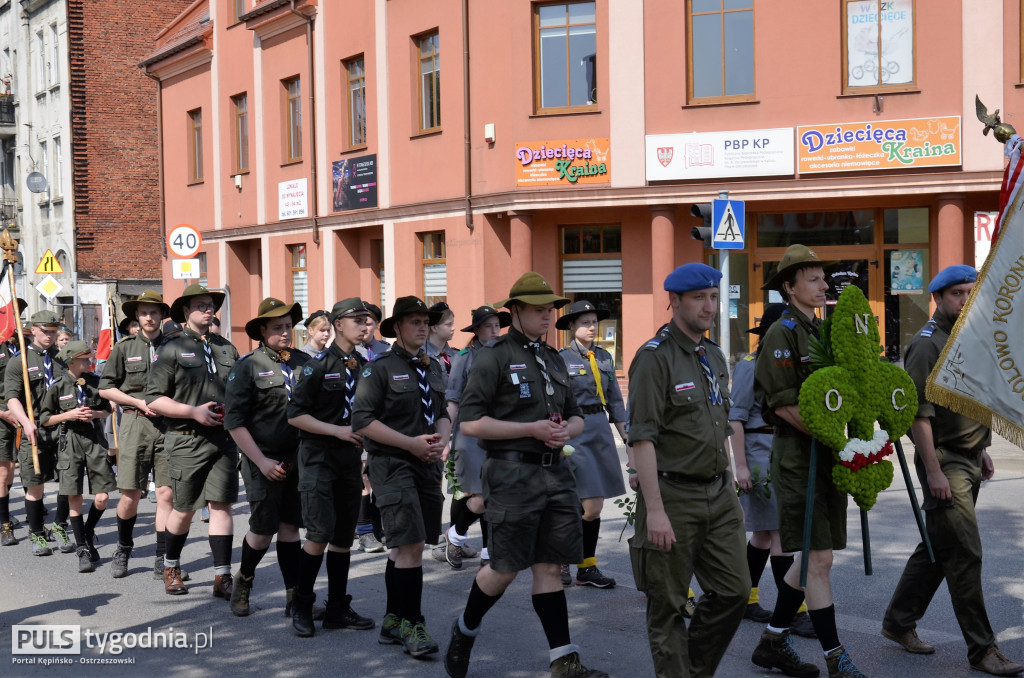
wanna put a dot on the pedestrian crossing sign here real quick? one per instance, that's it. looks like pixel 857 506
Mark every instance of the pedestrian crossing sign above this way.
pixel 728 218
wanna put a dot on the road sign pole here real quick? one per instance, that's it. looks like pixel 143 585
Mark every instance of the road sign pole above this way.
pixel 723 297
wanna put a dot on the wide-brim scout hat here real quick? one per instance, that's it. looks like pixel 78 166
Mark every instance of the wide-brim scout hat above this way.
pixel 349 308
pixel 374 310
pixel 194 290
pixel 577 309
pixel 122 327
pixel 407 306
pixel 484 313
pixel 47 319
pixel 533 289
pixel 130 307
pixel 75 349
pixel 772 312
pixel 796 256
pixel 272 308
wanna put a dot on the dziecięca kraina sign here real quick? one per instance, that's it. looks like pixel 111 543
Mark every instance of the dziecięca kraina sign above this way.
pixel 565 162
pixel 878 145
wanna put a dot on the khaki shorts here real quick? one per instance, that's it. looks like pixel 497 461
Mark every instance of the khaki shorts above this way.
pixel 83 456
pixel 47 460
pixel 331 486
pixel 140 450
pixel 203 467
pixel 271 502
pixel 533 514
pixel 8 435
pixel 791 457
pixel 409 498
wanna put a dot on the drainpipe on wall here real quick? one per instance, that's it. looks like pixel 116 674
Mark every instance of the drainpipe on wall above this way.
pixel 465 115
pixel 314 201
pixel 160 159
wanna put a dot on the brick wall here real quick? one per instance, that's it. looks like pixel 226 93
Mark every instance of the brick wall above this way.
pixel 115 147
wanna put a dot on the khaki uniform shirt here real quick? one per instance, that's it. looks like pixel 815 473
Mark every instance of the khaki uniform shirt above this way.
pixel 506 384
pixel 783 362
pixel 256 399
pixel 63 396
pixel 320 392
pixel 949 430
pixel 127 368
pixel 670 404
pixel 14 386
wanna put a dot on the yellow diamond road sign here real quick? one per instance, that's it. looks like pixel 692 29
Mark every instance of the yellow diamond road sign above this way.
pixel 49 287
pixel 49 264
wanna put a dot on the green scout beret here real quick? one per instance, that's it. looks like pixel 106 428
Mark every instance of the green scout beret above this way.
pixel 74 349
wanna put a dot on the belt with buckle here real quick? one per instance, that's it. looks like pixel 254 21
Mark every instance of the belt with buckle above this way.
pixel 683 478
pixel 592 409
pixel 540 459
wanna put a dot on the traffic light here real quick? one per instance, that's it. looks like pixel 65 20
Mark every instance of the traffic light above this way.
pixel 704 211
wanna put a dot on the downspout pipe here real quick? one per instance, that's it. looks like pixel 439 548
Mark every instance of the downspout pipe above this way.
pixel 160 159
pixel 314 201
pixel 466 117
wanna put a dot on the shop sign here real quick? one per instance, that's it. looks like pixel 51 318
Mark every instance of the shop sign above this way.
pixel 292 200
pixel 984 227
pixel 564 162
pixel 716 155
pixel 354 181
pixel 878 145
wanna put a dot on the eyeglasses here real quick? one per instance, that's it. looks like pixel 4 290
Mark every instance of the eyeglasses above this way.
pixel 206 306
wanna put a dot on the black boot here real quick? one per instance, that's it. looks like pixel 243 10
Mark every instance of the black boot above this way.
pixel 340 615
pixel 302 614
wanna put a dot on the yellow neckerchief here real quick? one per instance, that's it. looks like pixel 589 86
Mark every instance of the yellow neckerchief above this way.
pixel 593 369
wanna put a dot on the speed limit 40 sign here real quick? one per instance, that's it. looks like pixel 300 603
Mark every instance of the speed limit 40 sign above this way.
pixel 184 241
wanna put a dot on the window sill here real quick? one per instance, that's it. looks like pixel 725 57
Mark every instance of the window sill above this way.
pixel 57 200
pixel 241 172
pixel 289 163
pixel 200 182
pixel 427 133
pixel 558 113
pixel 1019 85
pixel 354 149
pixel 54 87
pixel 876 93
pixel 720 102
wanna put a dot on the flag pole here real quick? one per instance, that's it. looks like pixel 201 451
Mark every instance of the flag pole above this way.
pixel 112 313
pixel 10 247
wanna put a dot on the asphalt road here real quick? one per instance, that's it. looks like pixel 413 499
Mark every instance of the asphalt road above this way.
pixel 607 624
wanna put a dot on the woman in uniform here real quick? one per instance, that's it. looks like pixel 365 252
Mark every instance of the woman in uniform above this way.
pixel 318 330
pixel 440 334
pixel 596 461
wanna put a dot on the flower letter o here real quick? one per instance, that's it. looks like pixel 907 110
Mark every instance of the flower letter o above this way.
pixel 828 400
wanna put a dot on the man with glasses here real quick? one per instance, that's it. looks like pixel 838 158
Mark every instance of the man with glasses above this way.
pixel 187 386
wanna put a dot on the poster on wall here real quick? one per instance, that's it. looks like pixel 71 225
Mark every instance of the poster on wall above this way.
pixel 906 272
pixel 354 182
pixel 879 42
pixel 565 162
pixel 292 200
pixel 878 145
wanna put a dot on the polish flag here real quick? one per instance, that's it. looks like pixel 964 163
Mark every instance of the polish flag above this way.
pixel 106 340
pixel 8 307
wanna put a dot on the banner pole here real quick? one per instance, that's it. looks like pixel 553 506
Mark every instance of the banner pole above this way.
pixel 812 480
pixel 913 501
pixel 10 248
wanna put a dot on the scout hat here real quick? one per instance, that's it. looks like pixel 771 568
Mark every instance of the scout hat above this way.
pixel 406 306
pixel 194 290
pixel 314 315
pixel 486 312
pixel 533 289
pixel 956 274
pixel 47 319
pixel 374 310
pixel 272 308
pixel 772 312
pixel 74 349
pixel 577 309
pixel 349 308
pixel 692 276
pixel 122 327
pixel 796 256
pixel 130 307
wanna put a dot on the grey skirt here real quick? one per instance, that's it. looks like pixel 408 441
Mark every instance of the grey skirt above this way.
pixel 595 463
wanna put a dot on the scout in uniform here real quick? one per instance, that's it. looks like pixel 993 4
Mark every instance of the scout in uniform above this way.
pixel 399 411
pixel 44 369
pixel 469 456
pixel 369 530
pixel 518 402
pixel 73 406
pixel 440 334
pixel 318 331
pixel 951 462
pixel 688 519
pixel 140 430
pixel 372 347
pixel 8 451
pixel 751 446
pixel 596 461
pixel 330 470
pixel 778 376
pixel 187 387
pixel 259 387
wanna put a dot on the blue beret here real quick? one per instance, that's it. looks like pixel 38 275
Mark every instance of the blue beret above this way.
pixel 692 277
pixel 953 275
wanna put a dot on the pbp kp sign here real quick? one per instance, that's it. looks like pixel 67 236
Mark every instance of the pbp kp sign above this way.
pixel 46 639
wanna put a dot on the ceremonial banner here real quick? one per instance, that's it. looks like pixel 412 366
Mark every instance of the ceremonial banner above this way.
pixel 979 373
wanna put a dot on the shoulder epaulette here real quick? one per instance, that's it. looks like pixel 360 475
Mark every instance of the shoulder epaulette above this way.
pixel 711 341
pixel 124 339
pixel 320 355
pixel 654 343
pixel 463 351
pixel 750 356
pixel 929 328
pixel 788 323
pixel 241 358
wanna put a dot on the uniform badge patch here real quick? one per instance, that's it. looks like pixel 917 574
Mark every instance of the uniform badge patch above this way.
pixel 805 359
pixel 786 353
pixel 577 367
pixel 188 355
pixel 524 390
pixel 231 377
pixel 685 387
pixel 517 367
pixel 778 353
pixel 130 359
pixel 367 371
pixel 400 377
pixel 68 396
pixel 333 375
pixel 267 374
pixel 33 369
pixel 307 370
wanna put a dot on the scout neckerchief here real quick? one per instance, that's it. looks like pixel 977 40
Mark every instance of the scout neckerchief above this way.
pixel 421 363
pixel 208 353
pixel 351 364
pixel 593 370
pixel 283 357
pixel 538 351
pixel 80 391
pixel 48 369
pixel 716 390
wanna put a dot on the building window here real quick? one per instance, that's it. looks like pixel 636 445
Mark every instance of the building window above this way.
pixel 44 155
pixel 435 269
pixel 878 45
pixel 721 46
pixel 356 79
pixel 430 81
pixel 195 146
pixel 293 119
pixel 592 270
pixel 565 55
pixel 40 62
pixel 241 137
pixel 57 182
pixel 378 252
pixel 238 7
pixel 203 278
pixel 54 65
pixel 300 280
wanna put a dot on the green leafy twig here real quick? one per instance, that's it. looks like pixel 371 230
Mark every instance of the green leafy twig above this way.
pixel 628 506
pixel 760 486
pixel 449 474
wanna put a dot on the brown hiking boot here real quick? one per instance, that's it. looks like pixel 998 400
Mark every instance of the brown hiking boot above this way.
pixel 7 537
pixel 840 665
pixel 172 581
pixel 996 664
pixel 570 666
pixel 222 586
pixel 776 651
pixel 240 595
pixel 910 641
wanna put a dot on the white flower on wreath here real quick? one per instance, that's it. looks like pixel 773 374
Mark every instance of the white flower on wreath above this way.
pixel 865 448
